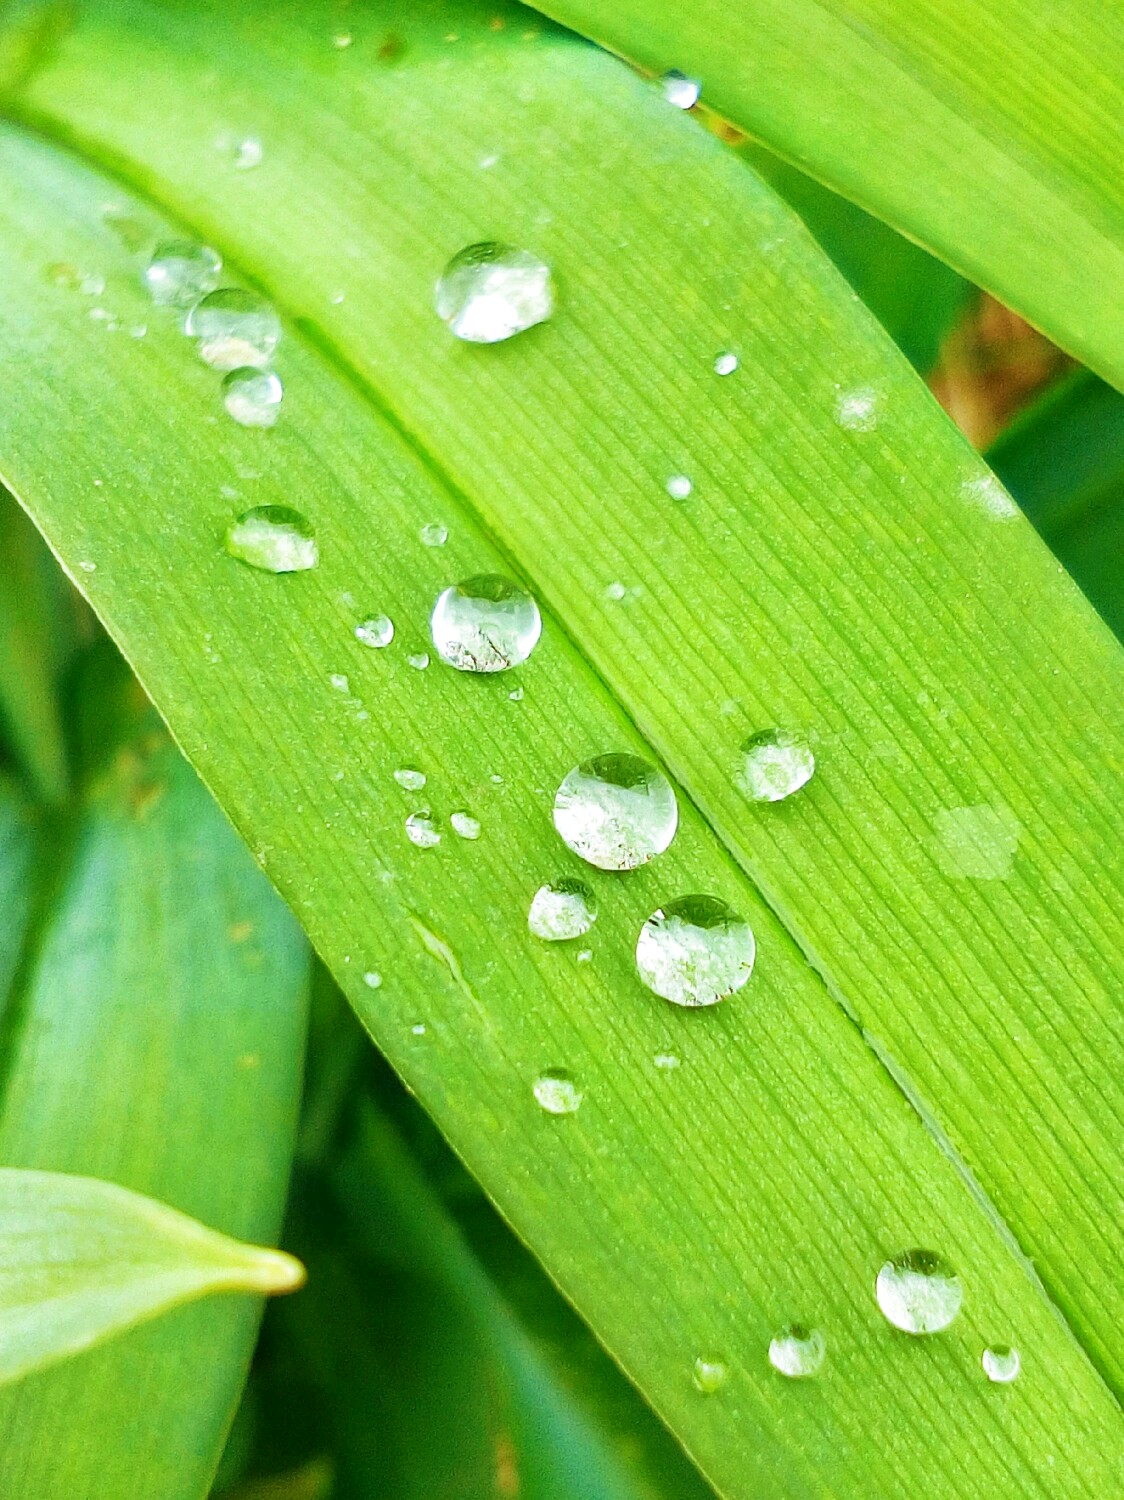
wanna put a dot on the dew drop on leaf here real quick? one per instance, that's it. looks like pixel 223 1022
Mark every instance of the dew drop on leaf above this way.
pixel 489 291
pixel 372 979
pixel 695 951
pixel 247 153
pixel 234 327
pixel 919 1292
pixel 679 487
pixel 775 764
pixel 709 1374
pixel 274 538
pixel 419 660
pixel 1001 1364
pixel 857 410
pixel 180 272
pixel 435 534
pixel 377 632
pixel 252 397
pixel 561 910
pixel 616 811
pixel 726 363
pixel 413 781
pixel 422 830
pixel 680 90
pixel 797 1352
pixel 465 825
pixel 667 1062
pixel 557 1092
pixel 485 624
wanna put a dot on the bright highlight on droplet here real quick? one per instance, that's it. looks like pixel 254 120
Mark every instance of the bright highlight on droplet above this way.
pixel 775 764
pixel 797 1352
pixel 616 811
pixel 234 327
pixel 490 291
pixel 695 951
pixel 679 487
pixel 725 363
pixel 1001 1364
pixel 562 910
pixel 485 624
pixel 252 397
pixel 274 538
pixel 557 1092
pixel 919 1292
pixel 376 632
pixel 421 829
pixel 709 1374
pixel 680 90
pixel 180 272
pixel 465 825
pixel 372 979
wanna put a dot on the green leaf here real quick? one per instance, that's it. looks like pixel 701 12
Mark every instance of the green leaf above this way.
pixel 865 584
pixel 152 1037
pixel 82 1260
pixel 982 132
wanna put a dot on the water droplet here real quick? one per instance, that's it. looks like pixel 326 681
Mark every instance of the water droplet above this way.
pixel 615 590
pixel 679 487
pixel 378 631
pixel 339 682
pixel 180 272
pixel 989 495
pixel 485 624
pixel 252 397
pixel 422 830
pixel 247 153
pixel 342 40
pixel 585 956
pixel 709 1374
pixel 557 1092
pixel 418 1029
pixel 234 327
pixel 372 979
pixel 695 951
pixel 616 811
pixel 434 535
pixel 797 1352
pixel 489 292
pixel 562 910
pixel 413 781
pixel 726 363
pixel 680 90
pixel 666 1061
pixel 1001 1364
pixel 777 763
pixel 273 538
pixel 919 1292
pixel 516 695
pixel 976 843
pixel 92 286
pixel 857 411
pixel 419 660
pixel 465 824
pixel 87 566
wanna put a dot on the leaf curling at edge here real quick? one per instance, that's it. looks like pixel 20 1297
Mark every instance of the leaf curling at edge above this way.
pixel 82 1260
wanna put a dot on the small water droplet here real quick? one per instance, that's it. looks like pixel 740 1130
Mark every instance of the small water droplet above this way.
pixel 557 1092
pixel 422 830
pixel 695 951
pixel 434 535
pixel 857 411
pixel 585 956
pixel 726 363
pixel 516 695
pixel 180 272
pixel 92 286
pixel 87 566
pixel 339 682
pixel 235 327
pixel 465 824
pixel 797 1351
pixel 709 1374
pixel 485 624
pixel 616 811
pixel 666 1061
pixel 679 487
pixel 488 162
pixel 247 153
pixel 273 538
pixel 252 397
pixel 490 291
pixel 776 763
pixel 342 40
pixel 919 1292
pixel 562 910
pixel 418 1029
pixel 615 590
pixel 988 494
pixel 1001 1364
pixel 976 843
pixel 419 660
pixel 372 979
pixel 377 632
pixel 413 781
pixel 680 90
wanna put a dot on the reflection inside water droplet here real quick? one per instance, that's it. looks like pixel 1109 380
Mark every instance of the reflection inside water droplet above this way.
pixel 422 830
pixel 274 538
pixel 616 811
pixel 435 534
pixel 562 910
pixel 797 1352
pixel 490 291
pixel 252 397
pixel 709 1374
pixel 919 1292
pixel 234 327
pixel 180 272
pixel 377 632
pixel 485 624
pixel 695 951
pixel 776 763
pixel 557 1092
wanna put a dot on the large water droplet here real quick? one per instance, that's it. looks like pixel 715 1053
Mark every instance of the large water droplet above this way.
pixel 234 327
pixel 252 397
pixel 797 1351
pixel 422 830
pixel 709 1374
pixel 616 811
pixel 919 1292
pixel 273 538
pixel 1001 1364
pixel 180 272
pixel 777 763
pixel 490 291
pixel 557 1092
pixel 695 951
pixel 465 825
pixel 413 781
pixel 485 624
pixel 377 631
pixel 562 910
pixel 680 90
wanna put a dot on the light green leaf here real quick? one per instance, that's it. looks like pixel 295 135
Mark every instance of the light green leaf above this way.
pixel 82 1260
pixel 860 581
